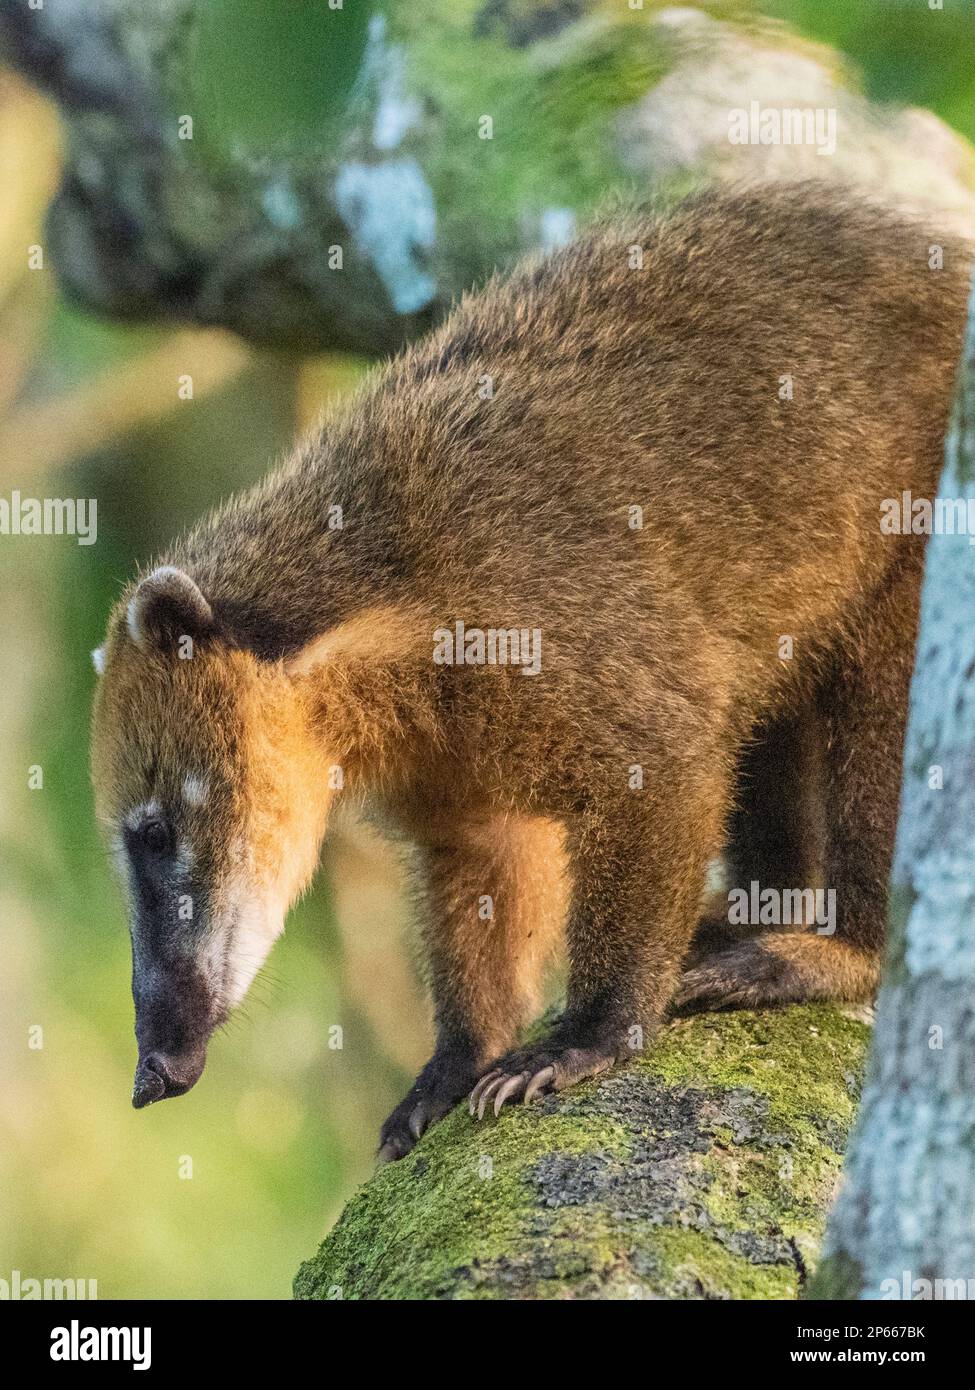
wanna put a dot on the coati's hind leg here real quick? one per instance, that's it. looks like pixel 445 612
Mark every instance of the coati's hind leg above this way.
pixel 776 831
pixel 494 904
pixel 864 703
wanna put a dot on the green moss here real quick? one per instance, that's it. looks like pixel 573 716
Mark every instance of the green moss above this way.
pixel 789 1055
pixel 552 104
pixel 702 1170
pixel 464 1203
pixel 691 1264
pixel 838 1278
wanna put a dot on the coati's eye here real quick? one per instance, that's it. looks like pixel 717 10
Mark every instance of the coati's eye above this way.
pixel 154 836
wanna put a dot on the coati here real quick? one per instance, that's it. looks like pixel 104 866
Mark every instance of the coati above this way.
pixel 598 449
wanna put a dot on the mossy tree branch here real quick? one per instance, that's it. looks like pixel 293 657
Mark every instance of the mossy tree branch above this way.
pixel 703 1170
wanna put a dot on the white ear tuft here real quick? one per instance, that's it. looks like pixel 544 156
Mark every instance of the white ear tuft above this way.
pixel 167 605
pixel 98 661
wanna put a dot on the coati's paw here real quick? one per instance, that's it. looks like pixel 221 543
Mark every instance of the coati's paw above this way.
pixel 778 968
pixel 408 1122
pixel 442 1083
pixel 535 1070
pixel 766 970
pixel 733 979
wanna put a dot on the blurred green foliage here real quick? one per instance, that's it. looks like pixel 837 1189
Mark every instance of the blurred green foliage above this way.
pixel 908 52
pixel 268 76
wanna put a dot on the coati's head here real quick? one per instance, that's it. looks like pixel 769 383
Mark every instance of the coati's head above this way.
pixel 214 795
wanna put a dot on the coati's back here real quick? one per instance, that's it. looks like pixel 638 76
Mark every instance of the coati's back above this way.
pixel 736 367
pixel 757 371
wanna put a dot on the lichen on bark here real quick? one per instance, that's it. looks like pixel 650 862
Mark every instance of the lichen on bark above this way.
pixel 702 1170
pixel 903 1223
pixel 462 134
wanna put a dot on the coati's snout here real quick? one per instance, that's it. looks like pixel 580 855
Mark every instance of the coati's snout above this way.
pixel 209 783
pixel 158 1077
pixel 173 1025
pixel 177 1006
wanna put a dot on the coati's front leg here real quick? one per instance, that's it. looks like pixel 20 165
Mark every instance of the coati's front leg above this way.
pixel 494 902
pixel 638 868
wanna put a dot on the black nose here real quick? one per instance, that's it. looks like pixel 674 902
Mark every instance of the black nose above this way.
pixel 150 1081
pixel 157 1077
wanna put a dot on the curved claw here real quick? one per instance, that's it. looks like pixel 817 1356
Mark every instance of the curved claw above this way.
pixel 513 1084
pixel 488 1092
pixel 418 1120
pixel 540 1079
pixel 476 1093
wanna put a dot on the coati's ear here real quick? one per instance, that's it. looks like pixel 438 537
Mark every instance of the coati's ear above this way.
pixel 98 661
pixel 166 606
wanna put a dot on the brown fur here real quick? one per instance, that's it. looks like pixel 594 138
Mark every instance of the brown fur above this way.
pixel 613 387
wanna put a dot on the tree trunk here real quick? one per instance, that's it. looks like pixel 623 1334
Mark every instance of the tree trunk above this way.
pixel 704 1170
pixel 907 1210
pixel 322 178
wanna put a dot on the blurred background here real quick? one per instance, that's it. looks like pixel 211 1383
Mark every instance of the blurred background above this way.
pixel 223 1193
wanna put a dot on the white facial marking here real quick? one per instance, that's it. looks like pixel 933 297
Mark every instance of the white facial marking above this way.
pixel 195 790
pixel 116 848
pixel 256 928
pixel 98 661
pixel 184 858
pixel 145 812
